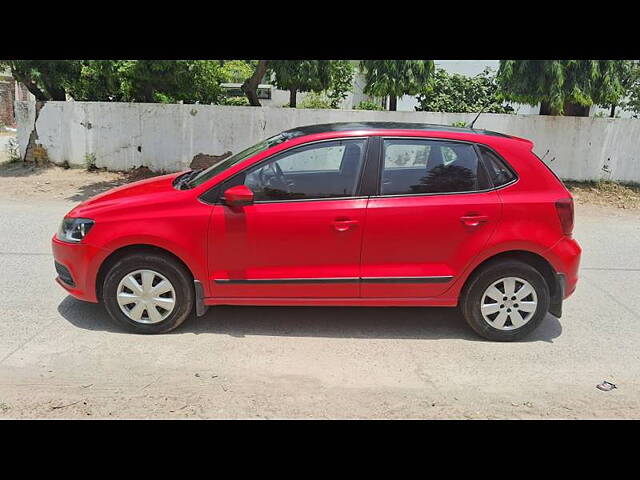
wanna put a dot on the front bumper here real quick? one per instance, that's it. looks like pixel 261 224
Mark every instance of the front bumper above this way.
pixel 77 268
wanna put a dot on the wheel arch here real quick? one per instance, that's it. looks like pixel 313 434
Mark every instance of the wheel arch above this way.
pixel 123 251
pixel 536 260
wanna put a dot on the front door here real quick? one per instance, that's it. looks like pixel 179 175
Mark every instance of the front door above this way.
pixel 434 213
pixel 301 238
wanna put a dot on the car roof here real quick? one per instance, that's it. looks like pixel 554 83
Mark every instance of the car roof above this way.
pixel 350 126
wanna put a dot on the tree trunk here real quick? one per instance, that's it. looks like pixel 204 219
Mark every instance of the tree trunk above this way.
pixel 293 97
pixel 575 110
pixel 393 103
pixel 57 93
pixel 250 85
pixel 31 86
pixel 613 111
pixel 545 108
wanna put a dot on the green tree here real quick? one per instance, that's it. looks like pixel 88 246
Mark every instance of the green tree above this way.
pixel 300 76
pixel 341 81
pixel 189 81
pixel 630 80
pixel 457 93
pixel 395 78
pixel 100 81
pixel 45 79
pixel 121 80
pixel 562 87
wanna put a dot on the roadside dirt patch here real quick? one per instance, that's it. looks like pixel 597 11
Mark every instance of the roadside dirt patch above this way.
pixel 20 180
pixel 606 194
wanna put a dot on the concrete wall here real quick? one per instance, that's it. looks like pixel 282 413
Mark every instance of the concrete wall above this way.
pixel 165 137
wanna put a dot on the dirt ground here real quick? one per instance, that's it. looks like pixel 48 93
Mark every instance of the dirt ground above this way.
pixel 23 180
pixel 62 358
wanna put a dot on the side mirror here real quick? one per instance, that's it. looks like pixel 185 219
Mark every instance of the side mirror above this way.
pixel 237 196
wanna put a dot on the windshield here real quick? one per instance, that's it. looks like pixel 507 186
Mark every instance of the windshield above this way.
pixel 229 162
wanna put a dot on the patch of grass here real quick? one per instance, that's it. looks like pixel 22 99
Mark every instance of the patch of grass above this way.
pixel 605 192
pixel 13 150
pixel 90 161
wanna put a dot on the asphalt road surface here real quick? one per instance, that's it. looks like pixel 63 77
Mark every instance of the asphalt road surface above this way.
pixel 62 358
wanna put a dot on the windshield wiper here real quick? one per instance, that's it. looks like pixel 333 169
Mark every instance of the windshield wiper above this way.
pixel 183 179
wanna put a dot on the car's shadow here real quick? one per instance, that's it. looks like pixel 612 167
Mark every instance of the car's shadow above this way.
pixel 333 322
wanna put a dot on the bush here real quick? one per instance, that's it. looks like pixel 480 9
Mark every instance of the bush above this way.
pixel 367 105
pixel 315 100
pixel 13 150
pixel 457 93
pixel 235 101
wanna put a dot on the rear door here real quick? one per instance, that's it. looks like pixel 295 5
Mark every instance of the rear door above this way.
pixel 302 236
pixel 433 213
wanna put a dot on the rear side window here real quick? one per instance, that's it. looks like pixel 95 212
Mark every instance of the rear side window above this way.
pixel 497 170
pixel 415 166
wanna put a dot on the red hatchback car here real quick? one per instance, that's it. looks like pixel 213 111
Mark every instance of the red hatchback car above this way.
pixel 371 214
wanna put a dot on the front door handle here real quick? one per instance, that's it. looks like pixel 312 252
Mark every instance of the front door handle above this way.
pixel 474 220
pixel 344 225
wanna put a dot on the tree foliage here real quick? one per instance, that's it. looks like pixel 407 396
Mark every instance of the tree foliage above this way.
pixel 630 80
pixel 237 71
pixel 300 76
pixel 189 81
pixel 395 78
pixel 341 81
pixel 457 93
pixel 45 79
pixel 560 85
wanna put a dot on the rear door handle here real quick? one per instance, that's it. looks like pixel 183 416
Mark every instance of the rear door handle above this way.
pixel 474 220
pixel 344 225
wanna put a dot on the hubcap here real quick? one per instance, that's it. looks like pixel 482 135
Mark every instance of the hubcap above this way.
pixel 146 296
pixel 509 303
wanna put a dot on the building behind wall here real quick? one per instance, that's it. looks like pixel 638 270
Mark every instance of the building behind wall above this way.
pixel 10 92
pixel 7 97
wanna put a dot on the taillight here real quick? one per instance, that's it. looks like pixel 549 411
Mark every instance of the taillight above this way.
pixel 564 207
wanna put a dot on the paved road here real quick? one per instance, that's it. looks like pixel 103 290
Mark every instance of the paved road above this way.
pixel 62 358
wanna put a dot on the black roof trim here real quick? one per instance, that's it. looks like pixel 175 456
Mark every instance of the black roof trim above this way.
pixel 346 126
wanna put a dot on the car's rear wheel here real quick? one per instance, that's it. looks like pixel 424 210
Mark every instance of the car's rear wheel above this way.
pixel 505 301
pixel 148 293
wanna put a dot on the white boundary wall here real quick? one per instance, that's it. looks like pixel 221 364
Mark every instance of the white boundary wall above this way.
pixel 166 137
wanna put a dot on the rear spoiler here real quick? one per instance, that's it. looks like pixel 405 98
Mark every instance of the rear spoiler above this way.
pixel 523 140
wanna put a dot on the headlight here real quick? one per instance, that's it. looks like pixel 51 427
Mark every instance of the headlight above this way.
pixel 74 229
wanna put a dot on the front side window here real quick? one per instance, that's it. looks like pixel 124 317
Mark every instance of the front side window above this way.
pixel 322 170
pixel 229 162
pixel 416 166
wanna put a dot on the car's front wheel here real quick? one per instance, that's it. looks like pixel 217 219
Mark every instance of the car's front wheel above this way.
pixel 148 293
pixel 505 301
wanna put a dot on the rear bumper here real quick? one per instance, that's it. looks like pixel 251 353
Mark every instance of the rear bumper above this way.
pixel 77 266
pixel 564 256
pixel 555 306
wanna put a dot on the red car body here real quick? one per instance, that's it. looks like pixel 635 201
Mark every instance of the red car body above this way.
pixel 372 249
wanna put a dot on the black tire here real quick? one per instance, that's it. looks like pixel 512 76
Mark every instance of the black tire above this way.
pixel 175 272
pixel 473 292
